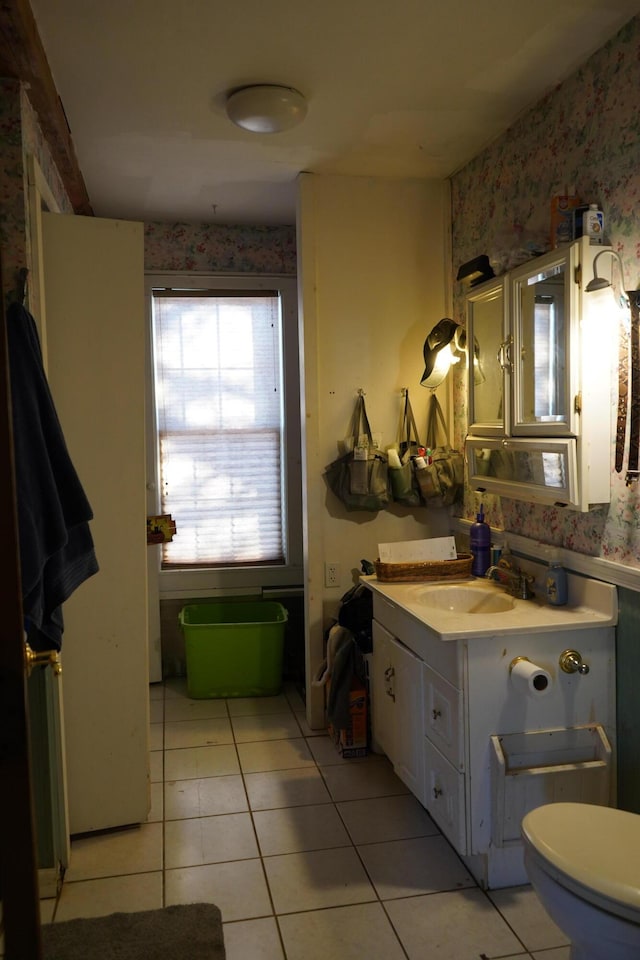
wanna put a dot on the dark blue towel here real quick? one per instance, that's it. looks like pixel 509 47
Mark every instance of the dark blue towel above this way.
pixel 56 547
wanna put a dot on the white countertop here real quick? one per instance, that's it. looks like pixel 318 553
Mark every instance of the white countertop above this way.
pixel 592 603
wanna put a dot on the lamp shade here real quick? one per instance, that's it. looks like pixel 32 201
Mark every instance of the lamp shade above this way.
pixel 437 359
pixel 266 108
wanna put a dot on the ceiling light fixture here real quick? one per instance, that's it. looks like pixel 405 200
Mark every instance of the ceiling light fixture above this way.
pixel 266 108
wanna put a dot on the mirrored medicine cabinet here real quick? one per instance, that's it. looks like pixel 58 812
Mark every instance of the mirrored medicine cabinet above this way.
pixel 540 384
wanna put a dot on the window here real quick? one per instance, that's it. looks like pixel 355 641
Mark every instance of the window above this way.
pixel 226 444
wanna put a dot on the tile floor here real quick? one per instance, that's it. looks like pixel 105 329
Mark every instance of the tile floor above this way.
pixel 308 856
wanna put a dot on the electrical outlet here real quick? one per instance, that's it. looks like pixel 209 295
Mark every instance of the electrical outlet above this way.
pixel 331 574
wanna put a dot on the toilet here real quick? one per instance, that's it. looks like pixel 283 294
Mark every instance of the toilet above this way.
pixel 583 861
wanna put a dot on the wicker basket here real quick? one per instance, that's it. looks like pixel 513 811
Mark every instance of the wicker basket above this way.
pixel 459 569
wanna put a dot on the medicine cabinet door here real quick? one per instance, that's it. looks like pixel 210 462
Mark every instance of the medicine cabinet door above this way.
pixel 544 305
pixel 488 352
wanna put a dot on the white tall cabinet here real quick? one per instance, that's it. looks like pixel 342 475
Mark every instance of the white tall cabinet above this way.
pixel 94 293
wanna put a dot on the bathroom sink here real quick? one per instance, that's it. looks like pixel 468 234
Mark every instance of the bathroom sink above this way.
pixel 462 598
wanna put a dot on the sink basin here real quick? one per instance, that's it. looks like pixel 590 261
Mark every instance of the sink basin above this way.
pixel 460 598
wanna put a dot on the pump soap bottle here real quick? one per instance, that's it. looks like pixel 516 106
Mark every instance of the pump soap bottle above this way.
pixel 480 542
pixel 556 582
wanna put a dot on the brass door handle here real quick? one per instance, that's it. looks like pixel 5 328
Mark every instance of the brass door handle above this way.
pixel 45 657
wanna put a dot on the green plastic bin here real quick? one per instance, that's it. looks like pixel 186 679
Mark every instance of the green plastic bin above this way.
pixel 233 649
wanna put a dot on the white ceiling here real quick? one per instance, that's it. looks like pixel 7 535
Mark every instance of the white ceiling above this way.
pixel 410 88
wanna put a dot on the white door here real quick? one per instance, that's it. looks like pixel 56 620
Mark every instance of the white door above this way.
pixel 94 293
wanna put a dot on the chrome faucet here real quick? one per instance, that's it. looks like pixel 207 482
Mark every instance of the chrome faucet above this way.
pixel 515 580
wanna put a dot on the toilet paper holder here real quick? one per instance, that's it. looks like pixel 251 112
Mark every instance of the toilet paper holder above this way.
pixel 571 662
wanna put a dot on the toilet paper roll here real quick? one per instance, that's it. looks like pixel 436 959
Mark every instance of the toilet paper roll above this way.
pixel 529 678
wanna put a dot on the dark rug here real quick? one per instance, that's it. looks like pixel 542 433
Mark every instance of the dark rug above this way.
pixel 191 931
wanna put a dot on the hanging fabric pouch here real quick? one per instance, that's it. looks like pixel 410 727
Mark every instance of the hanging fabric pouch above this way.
pixel 360 478
pixel 404 486
pixel 441 481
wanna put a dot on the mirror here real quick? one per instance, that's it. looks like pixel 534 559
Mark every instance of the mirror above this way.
pixel 541 350
pixel 485 322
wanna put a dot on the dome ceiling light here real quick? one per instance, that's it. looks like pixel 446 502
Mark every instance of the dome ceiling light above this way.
pixel 266 108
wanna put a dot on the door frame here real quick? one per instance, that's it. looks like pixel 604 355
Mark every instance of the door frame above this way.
pixel 18 867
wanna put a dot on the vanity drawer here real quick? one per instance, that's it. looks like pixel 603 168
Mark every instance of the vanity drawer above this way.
pixel 441 654
pixel 443 716
pixel 445 796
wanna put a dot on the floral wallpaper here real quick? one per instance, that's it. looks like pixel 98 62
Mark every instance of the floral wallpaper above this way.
pixel 584 135
pixel 20 136
pixel 216 248
pixel 13 224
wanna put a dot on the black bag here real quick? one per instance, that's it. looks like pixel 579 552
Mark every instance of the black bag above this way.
pixel 356 615
pixel 360 478
pixel 404 486
pixel 442 481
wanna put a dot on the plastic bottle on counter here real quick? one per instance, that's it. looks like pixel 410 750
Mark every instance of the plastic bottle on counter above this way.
pixel 593 224
pixel 556 582
pixel 480 543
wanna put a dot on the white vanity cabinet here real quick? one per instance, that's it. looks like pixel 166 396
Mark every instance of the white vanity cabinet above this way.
pixel 398 707
pixel 474 748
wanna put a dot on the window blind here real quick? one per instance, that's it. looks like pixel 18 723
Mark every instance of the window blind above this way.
pixel 218 396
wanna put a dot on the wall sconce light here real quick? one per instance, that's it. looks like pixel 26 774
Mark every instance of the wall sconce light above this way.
pixel 604 311
pixel 439 351
pixel 601 283
pixel 476 271
pixel 266 108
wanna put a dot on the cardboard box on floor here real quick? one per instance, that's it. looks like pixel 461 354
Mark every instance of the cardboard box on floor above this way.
pixel 352 740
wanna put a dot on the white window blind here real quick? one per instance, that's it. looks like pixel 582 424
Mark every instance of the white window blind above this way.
pixel 218 388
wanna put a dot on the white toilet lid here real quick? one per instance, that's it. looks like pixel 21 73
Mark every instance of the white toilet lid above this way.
pixel 596 848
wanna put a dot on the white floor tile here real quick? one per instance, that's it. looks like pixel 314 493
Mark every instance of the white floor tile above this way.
pixel 274 755
pixel 189 843
pixel 322 878
pixel 197 733
pixel 98 898
pixel 205 797
pixel 296 829
pixel 341 933
pixel 452 926
pixel 294 697
pixel 285 788
pixel 198 762
pixel 156 811
pixel 252 940
pixel 277 726
pixel 257 706
pixel 156 711
pixel 178 708
pixel 527 917
pixel 156 736
pixel 386 818
pixel 238 888
pixel 135 850
pixel 175 687
pixel 405 868
pixel 362 779
pixel 560 953
pixel 156 766
pixel 325 752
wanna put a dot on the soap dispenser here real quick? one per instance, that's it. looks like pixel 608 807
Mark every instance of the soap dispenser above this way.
pixel 480 542
pixel 556 582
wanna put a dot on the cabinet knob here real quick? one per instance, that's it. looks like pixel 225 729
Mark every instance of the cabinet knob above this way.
pixel 389 673
pixel 436 713
pixel 389 692
pixel 437 792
